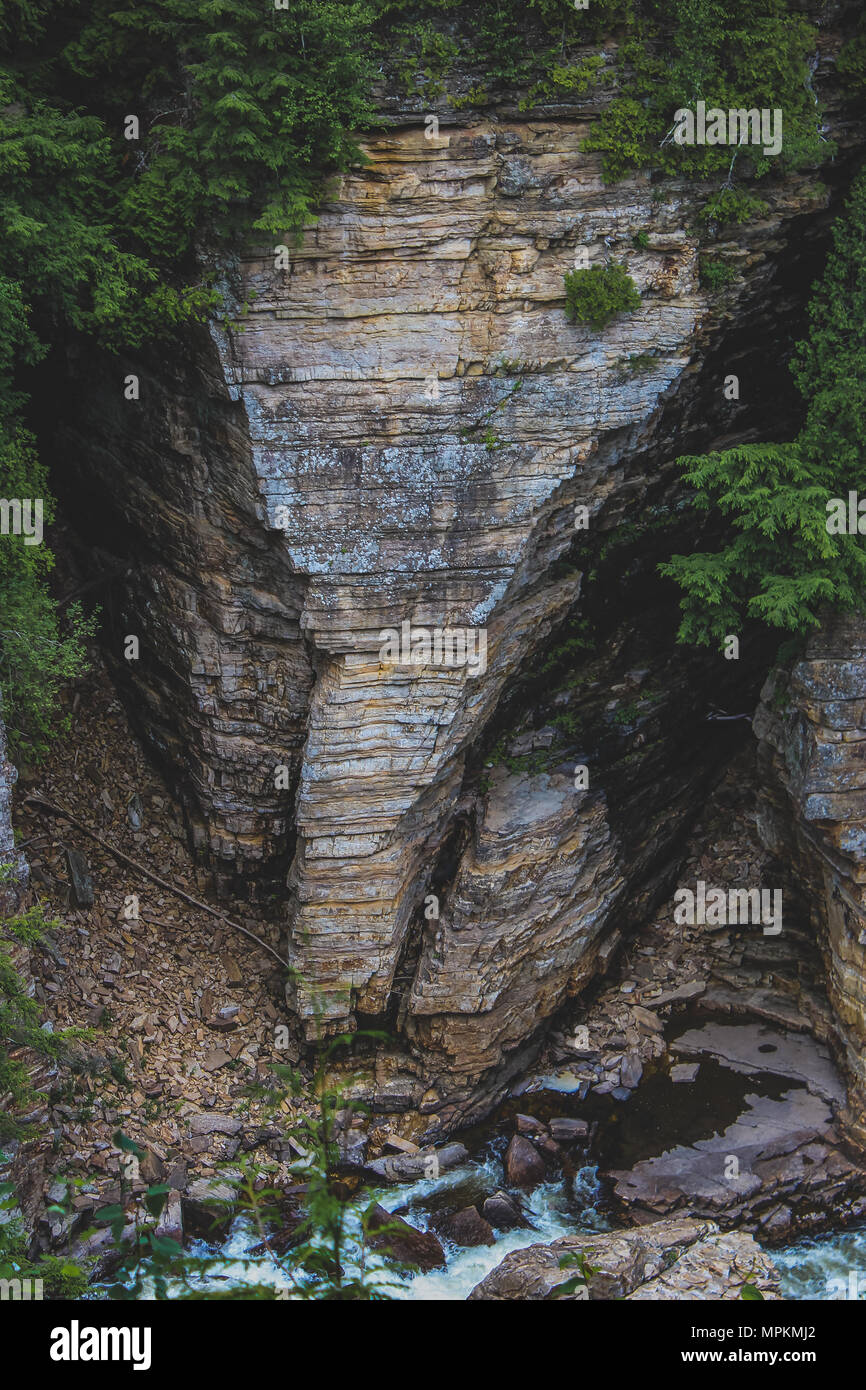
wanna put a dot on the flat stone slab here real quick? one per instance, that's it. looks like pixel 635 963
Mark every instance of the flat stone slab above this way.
pixel 704 1174
pixel 685 1071
pixel 683 994
pixel 752 1048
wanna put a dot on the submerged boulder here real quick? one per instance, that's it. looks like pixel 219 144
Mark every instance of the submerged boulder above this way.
pixel 467 1227
pixel 395 1237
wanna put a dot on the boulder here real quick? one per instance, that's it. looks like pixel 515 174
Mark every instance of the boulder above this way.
pixel 524 1166
pixel 527 1124
pixel 207 1207
pixel 568 1131
pixel 170 1223
pixel 394 1237
pixel 632 1070
pixel 352 1145
pixel 411 1167
pixel 504 1212
pixel 467 1227
pixel 214 1124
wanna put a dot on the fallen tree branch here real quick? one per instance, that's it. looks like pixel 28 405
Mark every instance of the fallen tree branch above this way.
pixel 148 873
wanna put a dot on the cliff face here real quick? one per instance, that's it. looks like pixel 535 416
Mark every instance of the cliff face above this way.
pixel 812 727
pixel 401 432
pixel 437 274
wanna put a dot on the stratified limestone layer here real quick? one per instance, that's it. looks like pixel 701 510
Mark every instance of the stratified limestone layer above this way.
pixel 521 926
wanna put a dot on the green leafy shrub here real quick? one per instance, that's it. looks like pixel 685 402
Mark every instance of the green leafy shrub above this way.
pixel 564 81
pixel 734 205
pixel 732 55
pixel 597 295
pixel 851 63
pixel 715 274
pixel 40 649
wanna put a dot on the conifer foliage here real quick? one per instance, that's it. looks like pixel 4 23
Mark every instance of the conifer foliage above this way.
pixel 779 563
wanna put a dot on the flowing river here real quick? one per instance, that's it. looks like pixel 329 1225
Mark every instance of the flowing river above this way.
pixel 832 1265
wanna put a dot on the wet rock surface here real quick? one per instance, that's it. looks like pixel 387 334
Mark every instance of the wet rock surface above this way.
pixel 467 1227
pixel 403 1242
pixel 668 1259
pixel 777 1157
pixel 693 1004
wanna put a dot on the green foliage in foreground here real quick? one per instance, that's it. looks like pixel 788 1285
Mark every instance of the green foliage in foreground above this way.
pixel 778 563
pixel 326 1257
pixel 40 648
pixel 597 295
pixel 20 1018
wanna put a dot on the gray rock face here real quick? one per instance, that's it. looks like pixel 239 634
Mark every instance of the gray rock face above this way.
pixel 524 1166
pixel 411 1167
pixel 665 1260
pixel 468 1228
pixel 403 1242
pixel 503 1211
pixel 207 1208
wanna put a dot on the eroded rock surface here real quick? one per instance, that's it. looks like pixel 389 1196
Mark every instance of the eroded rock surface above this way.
pixel 778 1166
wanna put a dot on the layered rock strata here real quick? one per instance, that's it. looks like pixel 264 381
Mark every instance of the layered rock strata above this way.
pixel 812 756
